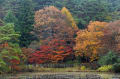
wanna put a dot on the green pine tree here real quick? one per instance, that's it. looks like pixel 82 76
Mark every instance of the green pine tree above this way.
pixel 8 34
pixel 25 23
pixel 10 17
pixel 1 23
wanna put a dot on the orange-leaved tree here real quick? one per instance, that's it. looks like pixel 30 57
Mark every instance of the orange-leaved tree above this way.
pixel 88 41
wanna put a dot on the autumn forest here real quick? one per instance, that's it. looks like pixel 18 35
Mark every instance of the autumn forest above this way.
pixel 77 32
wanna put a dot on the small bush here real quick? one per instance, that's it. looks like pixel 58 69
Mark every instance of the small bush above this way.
pixel 116 67
pixel 109 59
pixel 70 62
pixel 105 68
pixel 26 68
pixel 83 68
pixel 118 60
pixel 78 59
pixel 74 63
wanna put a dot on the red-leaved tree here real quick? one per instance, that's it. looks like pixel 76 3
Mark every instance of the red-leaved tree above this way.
pixel 55 51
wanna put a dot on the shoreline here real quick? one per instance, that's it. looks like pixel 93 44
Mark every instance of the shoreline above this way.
pixel 51 72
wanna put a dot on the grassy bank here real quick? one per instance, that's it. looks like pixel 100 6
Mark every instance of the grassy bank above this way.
pixel 31 68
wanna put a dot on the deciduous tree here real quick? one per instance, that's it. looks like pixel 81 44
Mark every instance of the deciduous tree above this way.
pixel 50 23
pixel 111 36
pixel 88 41
pixel 56 35
pixel 70 19
pixel 55 51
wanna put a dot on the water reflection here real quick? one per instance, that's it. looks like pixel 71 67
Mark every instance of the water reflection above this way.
pixel 62 75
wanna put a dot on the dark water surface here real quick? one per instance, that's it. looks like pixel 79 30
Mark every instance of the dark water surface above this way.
pixel 61 75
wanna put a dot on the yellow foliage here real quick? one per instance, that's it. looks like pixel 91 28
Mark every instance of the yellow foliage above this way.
pixel 88 41
pixel 83 68
pixel 66 12
pixel 105 68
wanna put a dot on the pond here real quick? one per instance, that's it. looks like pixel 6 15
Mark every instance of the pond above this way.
pixel 61 75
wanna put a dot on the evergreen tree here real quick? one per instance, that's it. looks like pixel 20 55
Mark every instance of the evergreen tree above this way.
pixel 92 10
pixel 1 8
pixel 10 18
pixel 40 4
pixel 1 23
pixel 25 23
pixel 8 34
pixel 1 1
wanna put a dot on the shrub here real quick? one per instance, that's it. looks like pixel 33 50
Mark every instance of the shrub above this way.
pixel 109 59
pixel 78 59
pixel 82 68
pixel 11 57
pixel 70 62
pixel 3 66
pixel 27 68
pixel 116 67
pixel 105 68
pixel 118 60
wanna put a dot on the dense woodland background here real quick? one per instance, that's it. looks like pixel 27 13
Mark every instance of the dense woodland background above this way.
pixel 59 31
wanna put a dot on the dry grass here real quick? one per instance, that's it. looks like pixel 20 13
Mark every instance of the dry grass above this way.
pixel 69 69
